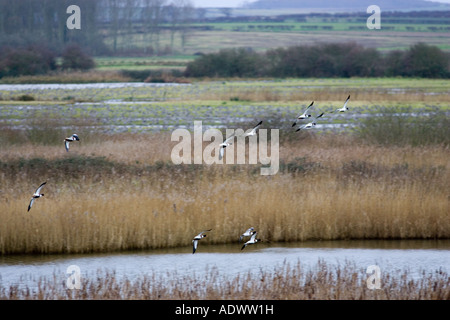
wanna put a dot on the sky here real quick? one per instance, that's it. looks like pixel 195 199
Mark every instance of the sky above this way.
pixel 238 3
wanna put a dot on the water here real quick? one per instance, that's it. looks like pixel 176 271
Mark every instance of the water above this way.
pixel 419 258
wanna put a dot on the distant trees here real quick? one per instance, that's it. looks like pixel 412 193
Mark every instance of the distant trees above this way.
pixel 323 60
pixel 29 60
pixel 25 22
pixel 73 58
pixel 35 60
pixel 423 60
pixel 239 62
pixel 127 23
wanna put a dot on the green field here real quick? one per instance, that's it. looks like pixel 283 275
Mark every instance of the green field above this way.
pixel 213 35
pixel 177 62
pixel 260 35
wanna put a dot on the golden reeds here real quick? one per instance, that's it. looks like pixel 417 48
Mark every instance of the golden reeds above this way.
pixel 131 200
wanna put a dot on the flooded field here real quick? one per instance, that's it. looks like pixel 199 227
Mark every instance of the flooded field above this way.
pixel 143 107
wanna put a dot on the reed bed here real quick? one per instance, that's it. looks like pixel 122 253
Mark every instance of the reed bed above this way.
pixel 70 77
pixel 288 282
pixel 114 199
pixel 321 94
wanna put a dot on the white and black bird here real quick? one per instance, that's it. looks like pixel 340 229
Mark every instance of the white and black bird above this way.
pixel 344 108
pixel 225 144
pixel 197 238
pixel 36 195
pixel 310 124
pixel 247 233
pixel 253 131
pixel 304 115
pixel 68 140
pixel 252 240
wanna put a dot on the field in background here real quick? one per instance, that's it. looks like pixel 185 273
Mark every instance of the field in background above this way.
pixel 268 32
pixel 271 30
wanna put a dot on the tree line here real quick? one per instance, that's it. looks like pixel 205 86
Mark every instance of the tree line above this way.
pixel 43 22
pixel 323 60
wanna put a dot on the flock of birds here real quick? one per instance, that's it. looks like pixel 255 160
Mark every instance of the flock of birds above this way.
pixel 251 232
pixel 37 194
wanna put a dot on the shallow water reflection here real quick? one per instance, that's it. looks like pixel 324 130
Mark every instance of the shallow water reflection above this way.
pixel 418 257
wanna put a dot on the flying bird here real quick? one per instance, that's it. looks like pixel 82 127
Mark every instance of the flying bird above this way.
pixel 252 240
pixel 70 139
pixel 310 124
pixel 36 195
pixel 253 131
pixel 225 144
pixel 304 115
pixel 344 108
pixel 247 233
pixel 197 238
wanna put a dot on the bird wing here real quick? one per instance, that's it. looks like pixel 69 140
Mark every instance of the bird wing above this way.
pixel 253 236
pixel 320 115
pixel 38 190
pixel 229 138
pixel 194 245
pixel 67 145
pixel 257 126
pixel 31 203
pixel 309 106
pixel 346 101
pixel 221 150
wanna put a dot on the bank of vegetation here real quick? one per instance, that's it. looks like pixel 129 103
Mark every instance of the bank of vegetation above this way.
pixel 110 193
pixel 323 60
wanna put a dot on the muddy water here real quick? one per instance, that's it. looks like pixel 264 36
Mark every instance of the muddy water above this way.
pixel 419 258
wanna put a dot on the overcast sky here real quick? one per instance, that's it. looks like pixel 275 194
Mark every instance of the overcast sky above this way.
pixel 238 3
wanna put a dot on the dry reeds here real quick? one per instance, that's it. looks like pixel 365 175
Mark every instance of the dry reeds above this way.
pixel 70 77
pixel 117 200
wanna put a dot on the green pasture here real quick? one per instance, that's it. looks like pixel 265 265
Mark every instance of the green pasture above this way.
pixel 143 63
pixel 211 36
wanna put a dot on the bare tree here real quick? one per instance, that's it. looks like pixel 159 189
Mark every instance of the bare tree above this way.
pixel 152 19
